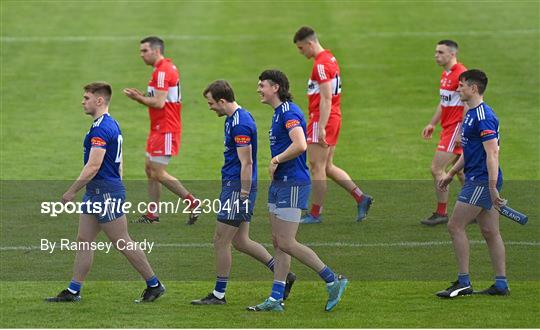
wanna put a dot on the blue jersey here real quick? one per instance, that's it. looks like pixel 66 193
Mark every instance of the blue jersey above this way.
pixel 240 131
pixel 105 133
pixel 286 117
pixel 480 125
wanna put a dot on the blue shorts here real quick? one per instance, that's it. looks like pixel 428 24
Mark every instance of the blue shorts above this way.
pixel 105 207
pixel 231 210
pixel 287 201
pixel 477 193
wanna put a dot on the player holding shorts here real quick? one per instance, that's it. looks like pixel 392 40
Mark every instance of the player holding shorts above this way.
pixel 450 114
pixel 164 107
pixel 479 198
pixel 238 190
pixel 104 197
pixel 324 94
pixel 289 192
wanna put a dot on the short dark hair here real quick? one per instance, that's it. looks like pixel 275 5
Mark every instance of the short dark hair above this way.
pixel 303 33
pixel 279 78
pixel 450 44
pixel 475 77
pixel 100 88
pixel 155 42
pixel 220 89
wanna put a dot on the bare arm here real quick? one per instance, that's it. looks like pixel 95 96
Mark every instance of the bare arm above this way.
pixel 492 163
pixel 157 101
pixel 325 106
pixel 427 132
pixel 445 181
pixel 458 166
pixel 88 172
pixel 246 170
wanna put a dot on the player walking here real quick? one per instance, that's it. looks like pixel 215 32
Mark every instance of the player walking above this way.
pixel 164 107
pixel 289 192
pixel 238 191
pixel 324 94
pixel 105 192
pixel 483 181
pixel 450 114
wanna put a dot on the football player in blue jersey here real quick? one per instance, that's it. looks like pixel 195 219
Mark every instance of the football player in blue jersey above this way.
pixel 238 190
pixel 289 191
pixel 104 198
pixel 479 198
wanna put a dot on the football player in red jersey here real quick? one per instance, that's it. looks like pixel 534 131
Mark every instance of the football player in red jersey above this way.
pixel 164 107
pixel 324 94
pixel 449 113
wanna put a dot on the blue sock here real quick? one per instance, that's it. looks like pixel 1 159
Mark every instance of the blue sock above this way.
pixel 278 289
pixel 501 282
pixel 464 279
pixel 327 275
pixel 270 264
pixel 221 286
pixel 152 282
pixel 74 286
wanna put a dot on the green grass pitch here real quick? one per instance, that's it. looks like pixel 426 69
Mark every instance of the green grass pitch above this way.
pixel 50 49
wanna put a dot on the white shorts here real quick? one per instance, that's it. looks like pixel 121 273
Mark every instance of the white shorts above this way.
pixel 290 214
pixel 159 159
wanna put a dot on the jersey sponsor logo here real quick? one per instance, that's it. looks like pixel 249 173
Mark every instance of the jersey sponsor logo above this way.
pixel 98 142
pixel 446 98
pixel 450 98
pixel 487 132
pixel 242 139
pixel 313 87
pixel 292 123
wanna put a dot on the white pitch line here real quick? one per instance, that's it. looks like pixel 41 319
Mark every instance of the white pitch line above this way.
pixel 234 38
pixel 315 244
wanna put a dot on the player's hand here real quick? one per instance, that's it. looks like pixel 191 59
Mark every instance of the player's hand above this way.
pixel 427 132
pixel 496 198
pixel 444 182
pixel 68 196
pixel 133 93
pixel 243 207
pixel 321 137
pixel 457 143
pixel 272 168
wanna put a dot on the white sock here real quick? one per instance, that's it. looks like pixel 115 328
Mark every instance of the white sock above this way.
pixel 218 295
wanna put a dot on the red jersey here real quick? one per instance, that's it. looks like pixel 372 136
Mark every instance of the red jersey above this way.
pixel 166 78
pixel 325 69
pixel 451 105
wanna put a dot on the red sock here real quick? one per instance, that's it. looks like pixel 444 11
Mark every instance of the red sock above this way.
pixel 193 202
pixel 316 210
pixel 441 208
pixel 357 194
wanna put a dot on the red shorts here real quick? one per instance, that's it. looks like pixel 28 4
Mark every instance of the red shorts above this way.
pixel 332 131
pixel 163 144
pixel 449 137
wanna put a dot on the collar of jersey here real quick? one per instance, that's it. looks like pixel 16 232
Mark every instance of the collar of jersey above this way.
pixel 105 114
pixel 163 60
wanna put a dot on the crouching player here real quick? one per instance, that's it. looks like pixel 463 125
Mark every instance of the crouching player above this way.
pixel 483 181
pixel 289 192
pixel 105 191
pixel 238 192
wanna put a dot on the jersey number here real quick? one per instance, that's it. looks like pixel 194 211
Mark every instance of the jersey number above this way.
pixel 337 87
pixel 119 150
